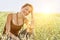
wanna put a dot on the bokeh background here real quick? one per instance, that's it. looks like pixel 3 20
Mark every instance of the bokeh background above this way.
pixel 46 16
pixel 46 27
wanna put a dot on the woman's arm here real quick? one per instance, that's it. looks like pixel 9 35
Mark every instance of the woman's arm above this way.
pixel 29 25
pixel 8 25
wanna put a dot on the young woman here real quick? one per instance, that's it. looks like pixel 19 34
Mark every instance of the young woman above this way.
pixel 16 21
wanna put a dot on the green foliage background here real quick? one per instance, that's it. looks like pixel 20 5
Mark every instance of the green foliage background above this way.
pixel 46 27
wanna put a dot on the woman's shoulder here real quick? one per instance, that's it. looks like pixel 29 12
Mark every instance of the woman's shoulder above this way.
pixel 11 13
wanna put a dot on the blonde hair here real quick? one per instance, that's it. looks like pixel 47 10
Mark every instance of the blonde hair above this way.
pixel 27 4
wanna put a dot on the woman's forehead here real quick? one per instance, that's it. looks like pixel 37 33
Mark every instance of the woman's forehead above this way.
pixel 28 7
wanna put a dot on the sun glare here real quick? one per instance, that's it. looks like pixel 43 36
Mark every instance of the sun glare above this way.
pixel 46 11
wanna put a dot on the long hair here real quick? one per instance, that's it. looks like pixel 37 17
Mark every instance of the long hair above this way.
pixel 27 4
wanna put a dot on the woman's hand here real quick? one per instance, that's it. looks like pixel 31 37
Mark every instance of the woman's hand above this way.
pixel 29 30
pixel 12 35
pixel 16 38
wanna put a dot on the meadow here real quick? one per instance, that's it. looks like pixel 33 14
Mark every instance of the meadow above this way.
pixel 47 27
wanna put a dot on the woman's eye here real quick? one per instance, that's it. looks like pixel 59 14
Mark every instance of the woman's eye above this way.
pixel 26 9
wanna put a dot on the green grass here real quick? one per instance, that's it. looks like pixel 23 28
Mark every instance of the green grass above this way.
pixel 46 27
pixel 3 16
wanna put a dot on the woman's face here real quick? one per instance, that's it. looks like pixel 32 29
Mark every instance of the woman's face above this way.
pixel 26 10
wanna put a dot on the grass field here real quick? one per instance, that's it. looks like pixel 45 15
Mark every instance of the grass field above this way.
pixel 47 27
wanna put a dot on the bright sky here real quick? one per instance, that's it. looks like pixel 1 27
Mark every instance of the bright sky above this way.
pixel 45 6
